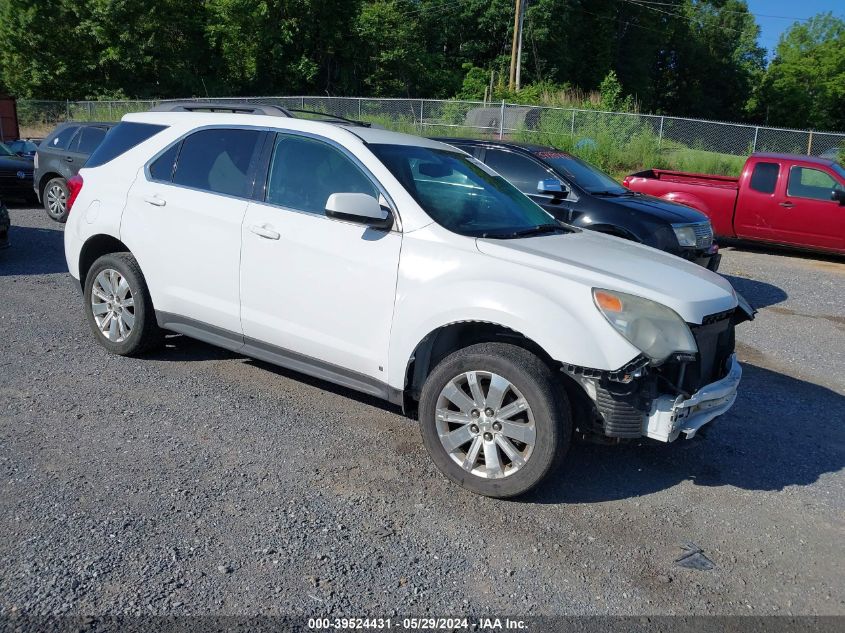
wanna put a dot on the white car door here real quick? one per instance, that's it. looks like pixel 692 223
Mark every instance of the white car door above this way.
pixel 317 293
pixel 184 215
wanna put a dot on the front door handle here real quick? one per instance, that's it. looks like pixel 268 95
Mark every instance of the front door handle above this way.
pixel 69 159
pixel 264 231
pixel 155 201
pixel 786 205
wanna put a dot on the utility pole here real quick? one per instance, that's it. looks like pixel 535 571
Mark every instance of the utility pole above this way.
pixel 519 47
pixel 516 46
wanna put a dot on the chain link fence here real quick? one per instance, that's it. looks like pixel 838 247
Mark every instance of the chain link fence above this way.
pixel 608 138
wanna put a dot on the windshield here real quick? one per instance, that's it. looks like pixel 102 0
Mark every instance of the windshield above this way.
pixel 589 178
pixel 463 195
pixel 839 170
pixel 5 151
pixel 22 146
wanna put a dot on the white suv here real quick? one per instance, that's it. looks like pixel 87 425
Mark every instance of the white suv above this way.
pixel 403 268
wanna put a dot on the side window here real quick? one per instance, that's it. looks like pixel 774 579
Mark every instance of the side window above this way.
pixel 805 182
pixel 162 168
pixel 73 146
pixel 217 160
pixel 764 178
pixel 90 139
pixel 521 171
pixel 61 140
pixel 120 140
pixel 304 172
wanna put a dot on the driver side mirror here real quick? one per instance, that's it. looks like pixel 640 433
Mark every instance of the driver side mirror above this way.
pixel 838 195
pixel 552 187
pixel 360 208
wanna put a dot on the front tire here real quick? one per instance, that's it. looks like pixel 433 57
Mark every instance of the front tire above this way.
pixel 118 305
pixel 495 419
pixel 55 199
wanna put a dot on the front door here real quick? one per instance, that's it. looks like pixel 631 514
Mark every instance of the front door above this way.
pixel 317 293
pixel 525 173
pixel 806 215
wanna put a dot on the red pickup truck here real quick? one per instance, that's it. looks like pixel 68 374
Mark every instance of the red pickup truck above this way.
pixel 782 199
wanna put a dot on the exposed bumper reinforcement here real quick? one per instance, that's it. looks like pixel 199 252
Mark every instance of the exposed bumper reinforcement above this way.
pixel 671 416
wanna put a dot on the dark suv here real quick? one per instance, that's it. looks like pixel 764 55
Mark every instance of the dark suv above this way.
pixel 578 193
pixel 59 158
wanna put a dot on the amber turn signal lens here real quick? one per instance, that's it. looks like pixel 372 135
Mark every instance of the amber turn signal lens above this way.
pixel 608 302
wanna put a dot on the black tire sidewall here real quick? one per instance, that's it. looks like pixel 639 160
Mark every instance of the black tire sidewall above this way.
pixel 545 396
pixel 138 338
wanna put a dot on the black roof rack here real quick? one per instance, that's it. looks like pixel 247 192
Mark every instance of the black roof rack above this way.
pixel 222 106
pixel 331 117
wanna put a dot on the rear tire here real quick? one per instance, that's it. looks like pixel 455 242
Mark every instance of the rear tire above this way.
pixel 55 199
pixel 118 306
pixel 495 419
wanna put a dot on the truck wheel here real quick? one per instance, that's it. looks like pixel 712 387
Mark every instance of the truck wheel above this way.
pixel 495 419
pixel 55 199
pixel 118 305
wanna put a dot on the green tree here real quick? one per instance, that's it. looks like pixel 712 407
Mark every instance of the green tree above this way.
pixel 709 62
pixel 40 55
pixel 804 86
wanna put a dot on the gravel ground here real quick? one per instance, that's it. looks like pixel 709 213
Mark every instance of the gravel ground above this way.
pixel 198 481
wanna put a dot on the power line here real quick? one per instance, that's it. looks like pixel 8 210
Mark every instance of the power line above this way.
pixel 759 15
pixel 691 20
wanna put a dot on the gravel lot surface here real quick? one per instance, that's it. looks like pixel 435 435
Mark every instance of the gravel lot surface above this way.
pixel 198 481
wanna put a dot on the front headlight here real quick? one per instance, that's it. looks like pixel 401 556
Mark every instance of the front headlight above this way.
pixel 686 235
pixel 653 328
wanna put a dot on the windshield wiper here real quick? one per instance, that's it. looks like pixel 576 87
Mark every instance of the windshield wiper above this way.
pixel 540 229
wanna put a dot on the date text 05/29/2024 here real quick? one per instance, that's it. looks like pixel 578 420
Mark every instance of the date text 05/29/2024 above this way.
pixel 431 624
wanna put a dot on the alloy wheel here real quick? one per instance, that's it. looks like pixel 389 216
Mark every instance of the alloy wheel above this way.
pixel 56 201
pixel 113 305
pixel 485 424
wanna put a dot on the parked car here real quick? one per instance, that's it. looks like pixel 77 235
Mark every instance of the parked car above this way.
pixel 582 195
pixel 59 158
pixel 783 199
pixel 402 268
pixel 5 225
pixel 15 174
pixel 24 146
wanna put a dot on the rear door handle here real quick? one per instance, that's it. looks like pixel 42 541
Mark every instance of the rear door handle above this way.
pixel 155 201
pixel 69 159
pixel 787 205
pixel 265 232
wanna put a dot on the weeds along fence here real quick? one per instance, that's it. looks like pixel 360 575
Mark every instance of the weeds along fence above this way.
pixel 616 141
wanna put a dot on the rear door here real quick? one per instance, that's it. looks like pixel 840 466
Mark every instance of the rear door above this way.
pixel 183 217
pixel 74 156
pixel 55 155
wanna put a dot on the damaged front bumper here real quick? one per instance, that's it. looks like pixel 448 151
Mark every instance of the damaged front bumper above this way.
pixel 670 416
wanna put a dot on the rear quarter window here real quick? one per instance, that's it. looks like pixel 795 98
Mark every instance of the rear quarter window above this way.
pixel 62 138
pixel 120 139
pixel 764 178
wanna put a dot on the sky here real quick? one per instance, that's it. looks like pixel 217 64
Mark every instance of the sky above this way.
pixel 772 27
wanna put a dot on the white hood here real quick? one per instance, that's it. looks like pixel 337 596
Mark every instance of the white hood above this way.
pixel 603 261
